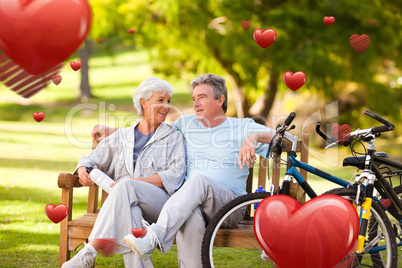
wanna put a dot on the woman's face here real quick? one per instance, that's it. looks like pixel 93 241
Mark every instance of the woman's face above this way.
pixel 157 107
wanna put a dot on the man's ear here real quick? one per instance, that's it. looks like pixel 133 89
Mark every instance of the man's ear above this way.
pixel 221 100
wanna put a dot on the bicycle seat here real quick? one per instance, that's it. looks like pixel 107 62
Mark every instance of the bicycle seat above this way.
pixel 359 161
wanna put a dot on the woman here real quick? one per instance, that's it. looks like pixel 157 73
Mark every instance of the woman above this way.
pixel 147 161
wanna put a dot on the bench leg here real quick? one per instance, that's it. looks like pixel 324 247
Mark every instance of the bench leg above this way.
pixel 64 253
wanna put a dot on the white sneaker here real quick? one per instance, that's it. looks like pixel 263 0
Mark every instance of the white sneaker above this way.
pixel 143 246
pixel 83 259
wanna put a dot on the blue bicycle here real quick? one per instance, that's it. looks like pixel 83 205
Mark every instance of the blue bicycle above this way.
pixel 376 245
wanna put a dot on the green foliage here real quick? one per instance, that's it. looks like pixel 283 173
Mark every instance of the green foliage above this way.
pixel 197 36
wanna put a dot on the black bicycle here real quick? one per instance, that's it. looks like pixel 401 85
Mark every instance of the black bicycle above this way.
pixel 376 245
pixel 379 168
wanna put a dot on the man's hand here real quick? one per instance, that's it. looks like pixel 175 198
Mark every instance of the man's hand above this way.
pixel 99 132
pixel 247 151
pixel 84 177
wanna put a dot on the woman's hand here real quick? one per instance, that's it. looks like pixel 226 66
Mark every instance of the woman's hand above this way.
pixel 134 179
pixel 84 177
pixel 99 132
pixel 114 183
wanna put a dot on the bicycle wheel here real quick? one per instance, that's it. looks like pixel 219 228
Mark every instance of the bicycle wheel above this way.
pixel 219 249
pixel 380 245
pixel 398 226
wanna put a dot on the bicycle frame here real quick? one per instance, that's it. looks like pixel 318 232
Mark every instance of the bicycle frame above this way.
pixel 293 172
pixel 306 187
pixel 384 188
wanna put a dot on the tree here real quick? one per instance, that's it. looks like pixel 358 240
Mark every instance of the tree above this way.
pixel 85 88
pixel 197 36
pixel 109 24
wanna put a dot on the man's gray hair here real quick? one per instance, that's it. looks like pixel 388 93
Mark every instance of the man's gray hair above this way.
pixel 147 88
pixel 218 87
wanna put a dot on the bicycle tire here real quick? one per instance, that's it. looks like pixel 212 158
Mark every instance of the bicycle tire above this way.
pixel 379 226
pixel 236 256
pixel 398 226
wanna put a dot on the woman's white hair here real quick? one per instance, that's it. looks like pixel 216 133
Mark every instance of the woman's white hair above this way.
pixel 147 88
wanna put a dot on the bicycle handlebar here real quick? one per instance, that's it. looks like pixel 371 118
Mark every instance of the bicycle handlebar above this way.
pixel 322 134
pixel 388 126
pixel 276 142
pixel 290 118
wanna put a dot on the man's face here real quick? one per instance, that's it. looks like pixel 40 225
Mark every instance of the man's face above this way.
pixel 205 106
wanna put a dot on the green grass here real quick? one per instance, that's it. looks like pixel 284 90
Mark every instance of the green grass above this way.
pixel 32 154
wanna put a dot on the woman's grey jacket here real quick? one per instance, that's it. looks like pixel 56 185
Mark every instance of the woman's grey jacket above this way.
pixel 164 154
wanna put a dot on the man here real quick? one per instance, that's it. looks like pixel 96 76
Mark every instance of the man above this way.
pixel 216 148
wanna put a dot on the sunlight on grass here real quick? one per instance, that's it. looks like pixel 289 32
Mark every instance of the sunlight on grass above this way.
pixel 113 79
pixel 33 154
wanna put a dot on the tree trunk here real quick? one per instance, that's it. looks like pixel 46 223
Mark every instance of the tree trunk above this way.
pixel 269 97
pixel 270 93
pixel 85 88
pixel 242 103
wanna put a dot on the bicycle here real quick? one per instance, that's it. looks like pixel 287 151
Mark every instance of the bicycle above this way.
pixel 388 196
pixel 376 245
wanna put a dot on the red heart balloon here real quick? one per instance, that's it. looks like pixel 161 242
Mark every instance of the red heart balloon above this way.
pixel 359 43
pixel 107 246
pixel 245 24
pixel 340 133
pixel 41 34
pixel 319 233
pixel 294 81
pixel 385 203
pixel 56 79
pixel 21 82
pixel 264 38
pixel 329 20
pixel 139 232
pixel 38 116
pixel 75 65
pixel 56 213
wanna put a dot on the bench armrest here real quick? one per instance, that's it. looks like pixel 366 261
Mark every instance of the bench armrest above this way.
pixel 68 180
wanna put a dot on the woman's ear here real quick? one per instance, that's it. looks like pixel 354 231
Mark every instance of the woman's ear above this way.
pixel 143 102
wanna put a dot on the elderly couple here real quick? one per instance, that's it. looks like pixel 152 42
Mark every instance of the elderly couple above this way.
pixel 170 179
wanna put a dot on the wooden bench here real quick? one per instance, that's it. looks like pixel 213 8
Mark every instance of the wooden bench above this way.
pixel 243 236
pixel 75 232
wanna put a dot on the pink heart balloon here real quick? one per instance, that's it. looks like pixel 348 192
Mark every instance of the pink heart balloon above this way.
pixel 319 233
pixel 41 34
